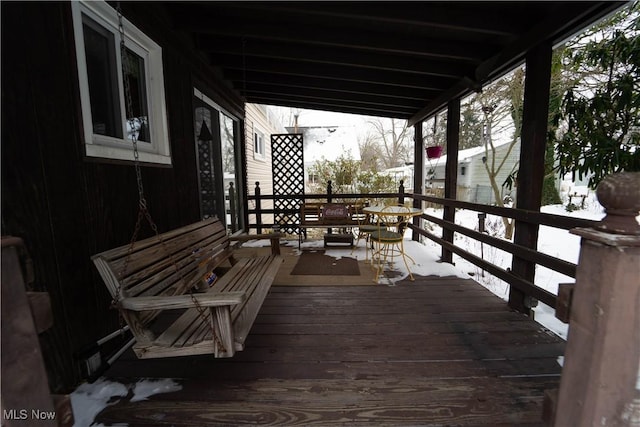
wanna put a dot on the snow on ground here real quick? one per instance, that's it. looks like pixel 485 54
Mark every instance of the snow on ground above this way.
pixel 427 263
pixel 551 241
pixel 89 399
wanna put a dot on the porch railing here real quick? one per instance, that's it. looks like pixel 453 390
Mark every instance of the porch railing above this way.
pixel 421 201
pixel 258 211
pixel 528 254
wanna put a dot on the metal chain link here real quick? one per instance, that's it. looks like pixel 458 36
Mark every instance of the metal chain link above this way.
pixel 129 110
pixel 143 210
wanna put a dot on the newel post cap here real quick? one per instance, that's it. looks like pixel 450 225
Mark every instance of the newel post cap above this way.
pixel 620 195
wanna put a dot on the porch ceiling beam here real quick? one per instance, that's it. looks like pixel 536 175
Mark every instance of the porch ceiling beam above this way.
pixel 456 91
pixel 328 106
pixel 261 88
pixel 373 40
pixel 325 55
pixel 432 17
pixel 452 48
pixel 397 111
pixel 284 83
pixel 333 96
pixel 333 71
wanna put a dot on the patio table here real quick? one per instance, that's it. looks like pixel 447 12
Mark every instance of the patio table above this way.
pixel 401 215
pixel 381 210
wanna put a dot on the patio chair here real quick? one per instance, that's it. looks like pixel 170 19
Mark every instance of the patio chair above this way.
pixel 365 227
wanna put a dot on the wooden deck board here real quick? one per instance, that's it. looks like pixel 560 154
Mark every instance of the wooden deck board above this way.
pixel 439 351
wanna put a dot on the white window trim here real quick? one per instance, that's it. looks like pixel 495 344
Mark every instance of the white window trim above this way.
pixel 211 103
pixel 259 155
pixel 158 151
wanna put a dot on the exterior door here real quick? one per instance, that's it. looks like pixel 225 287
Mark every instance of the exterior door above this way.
pixel 219 185
pixel 208 161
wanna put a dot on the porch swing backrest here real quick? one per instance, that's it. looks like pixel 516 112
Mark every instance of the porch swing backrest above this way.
pixel 169 269
pixel 161 273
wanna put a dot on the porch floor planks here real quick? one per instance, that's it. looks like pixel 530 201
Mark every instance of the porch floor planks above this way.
pixel 438 351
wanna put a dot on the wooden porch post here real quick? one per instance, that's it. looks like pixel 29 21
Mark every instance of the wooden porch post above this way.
pixel 600 382
pixel 451 171
pixel 232 208
pixel 243 189
pixel 531 172
pixel 258 209
pixel 418 173
pixel 24 376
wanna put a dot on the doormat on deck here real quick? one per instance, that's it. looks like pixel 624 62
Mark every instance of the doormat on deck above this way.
pixel 316 263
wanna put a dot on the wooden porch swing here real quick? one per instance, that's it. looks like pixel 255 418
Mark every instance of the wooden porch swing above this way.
pixel 181 270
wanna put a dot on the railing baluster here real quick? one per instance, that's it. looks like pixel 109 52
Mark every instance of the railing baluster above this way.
pixel 232 208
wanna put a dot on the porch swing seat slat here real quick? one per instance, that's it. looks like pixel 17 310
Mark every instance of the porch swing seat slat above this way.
pixel 244 277
pixel 182 331
pixel 160 273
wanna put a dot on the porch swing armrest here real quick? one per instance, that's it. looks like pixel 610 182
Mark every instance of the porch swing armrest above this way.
pixel 274 237
pixel 246 237
pixel 209 299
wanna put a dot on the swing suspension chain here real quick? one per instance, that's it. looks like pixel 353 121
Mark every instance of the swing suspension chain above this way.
pixel 130 119
pixel 142 201
pixel 143 211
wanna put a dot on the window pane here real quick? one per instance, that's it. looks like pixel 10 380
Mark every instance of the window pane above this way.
pixel 102 78
pixel 134 70
pixel 227 136
pixel 228 144
pixel 259 143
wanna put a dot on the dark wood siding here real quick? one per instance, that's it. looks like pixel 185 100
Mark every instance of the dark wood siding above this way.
pixel 67 207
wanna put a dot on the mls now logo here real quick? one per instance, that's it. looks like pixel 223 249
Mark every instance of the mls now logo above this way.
pixel 15 414
pixel 24 414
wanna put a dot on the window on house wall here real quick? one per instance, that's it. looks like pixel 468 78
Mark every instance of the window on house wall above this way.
pixel 258 145
pixel 111 115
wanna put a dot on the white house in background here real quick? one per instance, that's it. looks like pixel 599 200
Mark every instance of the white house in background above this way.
pixel 401 173
pixel 473 181
pixel 328 142
pixel 261 122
